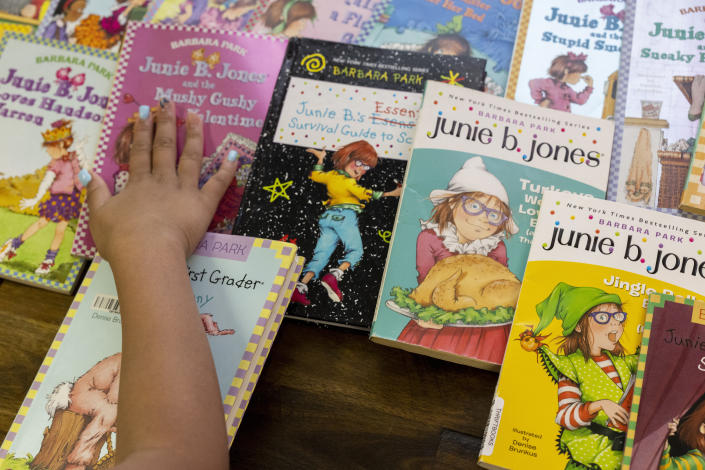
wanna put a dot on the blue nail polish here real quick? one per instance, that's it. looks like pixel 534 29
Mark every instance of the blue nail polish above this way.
pixel 163 102
pixel 84 177
pixel 144 112
pixel 232 155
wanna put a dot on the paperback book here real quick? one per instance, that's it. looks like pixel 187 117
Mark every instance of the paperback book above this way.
pixel 332 20
pixel 226 78
pixel 224 15
pixel 568 378
pixel 662 89
pixel 68 418
pixel 54 97
pixel 479 29
pixel 479 168
pixel 100 24
pixel 668 410
pixel 693 197
pixel 329 167
pixel 580 44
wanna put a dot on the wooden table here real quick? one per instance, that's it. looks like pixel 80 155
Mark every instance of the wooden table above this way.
pixel 327 397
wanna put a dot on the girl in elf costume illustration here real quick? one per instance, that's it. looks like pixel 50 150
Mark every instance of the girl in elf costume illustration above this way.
pixel 289 17
pixel 471 216
pixel 595 378
pixel 553 92
pixel 338 224
pixel 62 182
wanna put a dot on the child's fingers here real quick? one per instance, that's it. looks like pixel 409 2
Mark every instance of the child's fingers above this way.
pixel 214 189
pixel 190 162
pixel 140 158
pixel 97 192
pixel 164 145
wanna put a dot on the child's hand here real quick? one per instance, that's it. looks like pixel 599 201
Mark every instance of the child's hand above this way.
pixel 161 208
pixel 588 80
pixel 320 154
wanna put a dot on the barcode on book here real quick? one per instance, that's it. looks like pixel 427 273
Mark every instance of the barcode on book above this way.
pixel 106 303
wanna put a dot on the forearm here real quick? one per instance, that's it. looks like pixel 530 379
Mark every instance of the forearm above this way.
pixel 169 404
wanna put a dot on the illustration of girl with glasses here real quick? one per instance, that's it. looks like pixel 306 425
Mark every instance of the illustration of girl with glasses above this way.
pixel 594 376
pixel 471 216
pixel 338 224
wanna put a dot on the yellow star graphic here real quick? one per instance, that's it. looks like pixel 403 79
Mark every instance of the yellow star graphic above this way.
pixel 452 78
pixel 278 189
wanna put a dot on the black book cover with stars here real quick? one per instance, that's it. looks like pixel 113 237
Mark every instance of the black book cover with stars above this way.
pixel 330 163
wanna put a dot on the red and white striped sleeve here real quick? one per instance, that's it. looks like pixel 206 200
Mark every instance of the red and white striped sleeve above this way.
pixel 572 412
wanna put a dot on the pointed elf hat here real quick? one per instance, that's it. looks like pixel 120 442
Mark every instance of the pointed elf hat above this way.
pixel 568 304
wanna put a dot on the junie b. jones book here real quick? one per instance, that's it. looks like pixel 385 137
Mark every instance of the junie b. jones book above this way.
pixel 476 178
pixel 332 20
pixel 580 44
pixel 69 416
pixel 567 380
pixel 53 97
pixel 96 23
pixel 478 29
pixel 329 168
pixel 227 78
pixel 668 411
pixel 662 100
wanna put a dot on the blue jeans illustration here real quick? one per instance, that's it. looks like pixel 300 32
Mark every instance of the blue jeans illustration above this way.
pixel 336 225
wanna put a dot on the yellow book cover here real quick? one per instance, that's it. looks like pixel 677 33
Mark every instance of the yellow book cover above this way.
pixel 567 381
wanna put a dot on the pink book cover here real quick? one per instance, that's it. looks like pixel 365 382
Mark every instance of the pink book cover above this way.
pixel 332 20
pixel 226 77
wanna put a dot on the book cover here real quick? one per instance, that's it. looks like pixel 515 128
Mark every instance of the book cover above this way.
pixel 331 20
pixel 100 24
pixel 477 174
pixel 224 15
pixel 662 101
pixel 241 287
pixel 54 97
pixel 227 78
pixel 580 45
pixel 567 380
pixel 7 25
pixel 29 12
pixel 693 197
pixel 668 411
pixel 354 110
pixel 479 29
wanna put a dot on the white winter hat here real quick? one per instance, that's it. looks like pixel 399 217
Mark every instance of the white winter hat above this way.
pixel 473 176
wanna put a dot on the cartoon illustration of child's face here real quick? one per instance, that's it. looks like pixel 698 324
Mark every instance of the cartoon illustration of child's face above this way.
pixel 356 169
pixel 76 8
pixel 55 151
pixel 477 218
pixel 572 78
pixel 606 325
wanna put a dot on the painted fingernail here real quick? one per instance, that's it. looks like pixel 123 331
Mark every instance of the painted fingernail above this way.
pixel 84 177
pixel 232 155
pixel 144 112
pixel 163 102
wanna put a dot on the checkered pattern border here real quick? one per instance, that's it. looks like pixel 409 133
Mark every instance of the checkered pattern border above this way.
pixel 48 17
pixel 621 101
pixel 203 30
pixel 48 359
pixel 370 24
pixel 82 243
pixel 655 301
pixel 259 346
pixel 58 44
pixel 519 44
pixel 64 287
pixel 693 198
pixel 17 28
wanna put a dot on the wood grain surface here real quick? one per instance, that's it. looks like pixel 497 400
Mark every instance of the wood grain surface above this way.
pixel 327 397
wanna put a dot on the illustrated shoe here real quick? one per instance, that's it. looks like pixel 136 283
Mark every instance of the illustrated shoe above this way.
pixel 7 252
pixel 45 267
pixel 330 282
pixel 299 294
